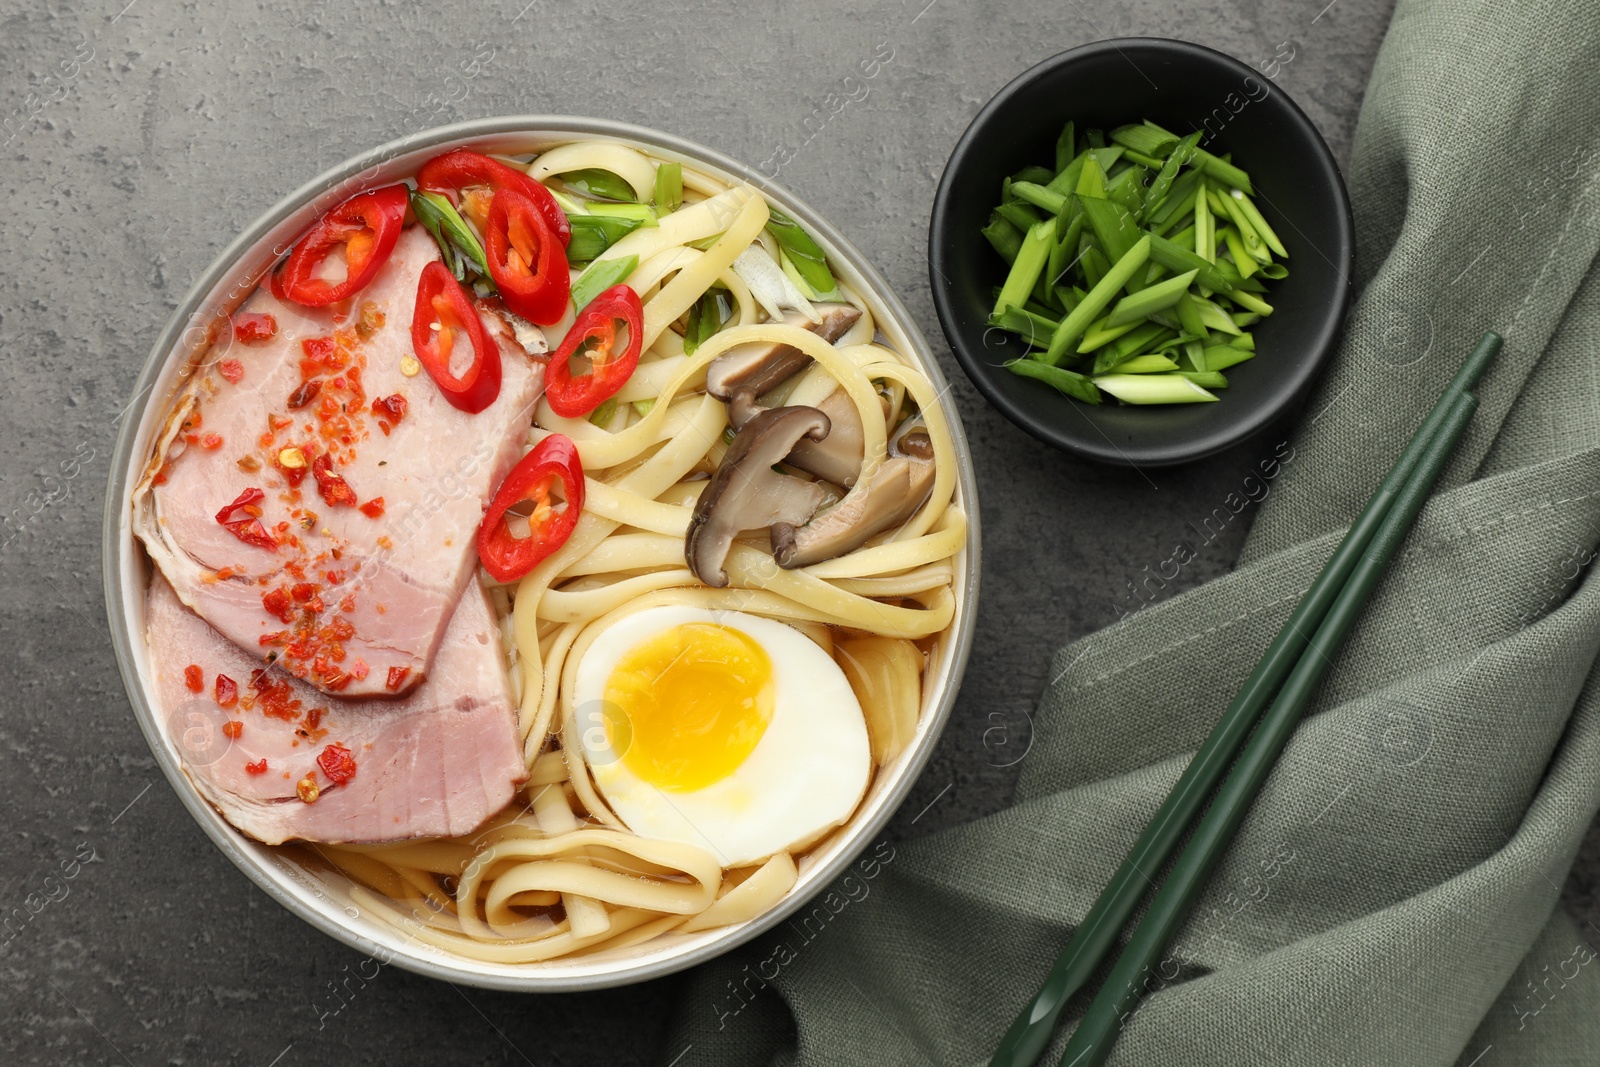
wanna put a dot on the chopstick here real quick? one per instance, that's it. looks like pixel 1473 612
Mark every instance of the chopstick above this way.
pixel 1294 660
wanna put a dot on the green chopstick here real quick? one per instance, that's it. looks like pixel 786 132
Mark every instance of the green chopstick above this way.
pixel 1097 1031
pixel 1030 1032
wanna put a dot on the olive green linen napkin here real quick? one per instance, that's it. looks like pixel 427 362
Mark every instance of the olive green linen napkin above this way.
pixel 1391 897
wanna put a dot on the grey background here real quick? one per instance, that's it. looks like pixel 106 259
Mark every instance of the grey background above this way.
pixel 139 140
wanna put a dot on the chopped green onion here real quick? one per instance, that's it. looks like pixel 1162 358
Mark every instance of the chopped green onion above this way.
pixel 1149 364
pixel 669 187
pixel 1133 344
pixel 593 234
pixel 1241 256
pixel 1188 314
pixel 1221 357
pixel 1092 179
pixel 1080 317
pixel 1145 302
pixel 808 257
pixel 1275 271
pixel 1064 147
pixel 643 214
pixel 705 319
pixel 1040 196
pixel 1251 302
pixel 1003 236
pixel 600 184
pixel 1153 389
pixel 1036 175
pixel 1164 179
pixel 1029 265
pixel 450 231
pixel 1207 379
pixel 1216 167
pixel 1257 223
pixel 1032 327
pixel 1100 334
pixel 1151 140
pixel 1213 316
pixel 1069 382
pixel 706 242
pixel 602 414
pixel 600 276
pixel 642 408
pixel 1113 226
pixel 1019 214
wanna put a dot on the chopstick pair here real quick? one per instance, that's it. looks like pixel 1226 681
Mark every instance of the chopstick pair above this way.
pixel 1292 667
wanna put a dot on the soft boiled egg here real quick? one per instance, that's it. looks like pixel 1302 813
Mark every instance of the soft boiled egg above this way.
pixel 720 729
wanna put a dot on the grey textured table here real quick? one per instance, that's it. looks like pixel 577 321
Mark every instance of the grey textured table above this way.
pixel 139 140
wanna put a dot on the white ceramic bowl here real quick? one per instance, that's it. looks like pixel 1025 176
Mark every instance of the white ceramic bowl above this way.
pixel 322 899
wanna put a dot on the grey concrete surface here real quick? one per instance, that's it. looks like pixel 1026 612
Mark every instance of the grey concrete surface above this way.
pixel 140 139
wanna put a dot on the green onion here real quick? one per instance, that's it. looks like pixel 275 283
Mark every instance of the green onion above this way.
pixel 1221 357
pixel 1153 389
pixel 642 408
pixel 1141 257
pixel 600 184
pixel 1150 140
pixel 808 257
pixel 1032 327
pixel 1257 223
pixel 1064 147
pixel 1147 364
pixel 450 231
pixel 1069 382
pixel 1039 196
pixel 1145 302
pixel 705 319
pixel 602 414
pixel 669 187
pixel 1080 317
pixel 1029 265
pixel 593 234
pixel 643 214
pixel 600 276
pixel 1004 237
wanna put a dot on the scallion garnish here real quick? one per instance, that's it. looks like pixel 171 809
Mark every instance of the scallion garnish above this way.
pixel 1139 260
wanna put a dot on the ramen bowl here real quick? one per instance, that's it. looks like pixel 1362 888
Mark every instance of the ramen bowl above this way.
pixel 323 897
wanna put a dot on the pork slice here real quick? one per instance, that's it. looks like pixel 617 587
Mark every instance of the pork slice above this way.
pixel 354 595
pixel 435 763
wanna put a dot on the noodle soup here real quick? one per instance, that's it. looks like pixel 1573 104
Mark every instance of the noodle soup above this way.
pixel 722 587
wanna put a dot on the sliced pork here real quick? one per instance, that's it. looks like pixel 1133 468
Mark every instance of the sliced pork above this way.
pixel 316 499
pixel 296 764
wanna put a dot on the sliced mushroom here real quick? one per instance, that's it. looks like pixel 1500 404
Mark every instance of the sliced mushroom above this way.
pixel 896 491
pixel 747 494
pixel 758 366
pixel 835 458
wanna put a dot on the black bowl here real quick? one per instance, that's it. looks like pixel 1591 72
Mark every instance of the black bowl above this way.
pixel 1183 87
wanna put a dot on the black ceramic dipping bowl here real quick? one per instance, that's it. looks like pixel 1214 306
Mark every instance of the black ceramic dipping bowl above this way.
pixel 1183 87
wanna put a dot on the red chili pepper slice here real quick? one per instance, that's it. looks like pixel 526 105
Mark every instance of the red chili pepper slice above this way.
pixel 527 265
pixel 247 527
pixel 334 489
pixel 253 327
pixel 462 167
pixel 337 763
pixel 573 395
pixel 367 225
pixel 443 313
pixel 551 479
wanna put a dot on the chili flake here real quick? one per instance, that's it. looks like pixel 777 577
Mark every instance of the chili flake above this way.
pixel 337 763
pixel 232 370
pixel 232 729
pixel 194 678
pixel 227 691
pixel 258 767
pixel 252 328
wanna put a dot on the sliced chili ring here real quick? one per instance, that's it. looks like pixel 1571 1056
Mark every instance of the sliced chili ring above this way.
pixel 550 478
pixel 573 395
pixel 367 226
pixel 527 265
pixel 462 167
pixel 444 313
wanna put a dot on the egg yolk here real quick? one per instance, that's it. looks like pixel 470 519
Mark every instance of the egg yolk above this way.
pixel 686 707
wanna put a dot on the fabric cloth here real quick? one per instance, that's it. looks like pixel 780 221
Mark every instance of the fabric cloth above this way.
pixel 1390 899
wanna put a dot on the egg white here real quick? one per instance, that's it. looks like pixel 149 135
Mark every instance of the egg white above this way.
pixel 805 776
